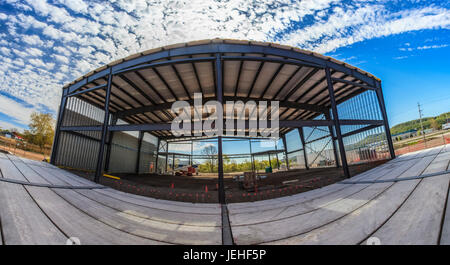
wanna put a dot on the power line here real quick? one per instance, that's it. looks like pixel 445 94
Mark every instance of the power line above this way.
pixel 421 124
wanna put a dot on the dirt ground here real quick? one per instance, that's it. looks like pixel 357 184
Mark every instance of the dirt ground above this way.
pixel 23 153
pixel 201 189
pixel 431 141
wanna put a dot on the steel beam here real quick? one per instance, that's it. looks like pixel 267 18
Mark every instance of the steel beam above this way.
pixel 219 94
pixel 255 78
pixel 301 83
pixel 99 168
pixel 157 156
pixel 252 158
pixel 108 148
pixel 361 122
pixel 285 151
pixel 385 118
pixel 83 136
pixel 333 140
pixel 167 126
pixel 147 83
pixel 213 48
pixel 132 97
pixel 340 80
pixel 337 123
pixel 141 136
pixel 167 157
pixel 302 139
pixel 168 106
pixel 274 76
pixel 62 107
pixel 81 128
pixel 164 63
pixel 86 90
pixel 271 60
pixel 181 81
pixel 286 82
pixel 142 127
pixel 360 130
pixel 163 80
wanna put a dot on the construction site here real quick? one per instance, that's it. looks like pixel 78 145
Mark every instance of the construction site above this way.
pixel 114 123
pixel 120 174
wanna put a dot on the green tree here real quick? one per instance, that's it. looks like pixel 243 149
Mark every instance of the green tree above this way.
pixel 41 129
pixel 434 124
pixel 211 152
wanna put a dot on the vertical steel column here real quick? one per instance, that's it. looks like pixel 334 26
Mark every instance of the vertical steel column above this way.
pixel 385 119
pixel 141 136
pixel 105 125
pixel 62 108
pixel 252 158
pixel 167 160
pixel 157 156
pixel 337 123
pixel 285 151
pixel 276 154
pixel 109 146
pixel 302 139
pixel 173 164
pixel 219 95
pixel 192 152
pixel 333 137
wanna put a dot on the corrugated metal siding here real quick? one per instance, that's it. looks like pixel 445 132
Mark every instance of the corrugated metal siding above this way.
pixel 80 149
pixel 77 152
pixel 123 153
pixel 148 154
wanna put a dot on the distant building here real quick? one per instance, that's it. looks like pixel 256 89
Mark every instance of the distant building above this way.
pixel 404 135
pixel 11 135
pixel 446 126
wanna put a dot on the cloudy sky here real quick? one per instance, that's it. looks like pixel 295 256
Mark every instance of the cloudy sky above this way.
pixel 45 44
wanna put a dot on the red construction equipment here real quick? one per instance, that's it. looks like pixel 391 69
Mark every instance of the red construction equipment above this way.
pixel 190 171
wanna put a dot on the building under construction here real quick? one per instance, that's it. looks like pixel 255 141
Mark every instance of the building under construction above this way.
pixel 117 118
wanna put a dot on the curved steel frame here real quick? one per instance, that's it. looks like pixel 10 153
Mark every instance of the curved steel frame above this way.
pixel 216 51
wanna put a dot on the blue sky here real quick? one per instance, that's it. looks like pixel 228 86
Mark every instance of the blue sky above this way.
pixel 45 44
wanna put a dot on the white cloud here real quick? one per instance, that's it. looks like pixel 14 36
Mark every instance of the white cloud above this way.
pixel 61 58
pixel 34 52
pixel 347 26
pixel 14 109
pixel 55 42
pixel 20 53
pixel 32 39
pixel 55 14
pixel 8 126
pixel 5 51
pixel 426 47
pixel 62 50
pixel 75 5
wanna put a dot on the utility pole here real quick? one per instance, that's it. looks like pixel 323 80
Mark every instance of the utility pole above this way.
pixel 421 124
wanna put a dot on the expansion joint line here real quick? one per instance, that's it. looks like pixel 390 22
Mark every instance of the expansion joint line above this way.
pixel 20 182
pixel 397 179
pixel 227 234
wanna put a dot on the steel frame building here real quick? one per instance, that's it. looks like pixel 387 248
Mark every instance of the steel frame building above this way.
pixel 136 94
